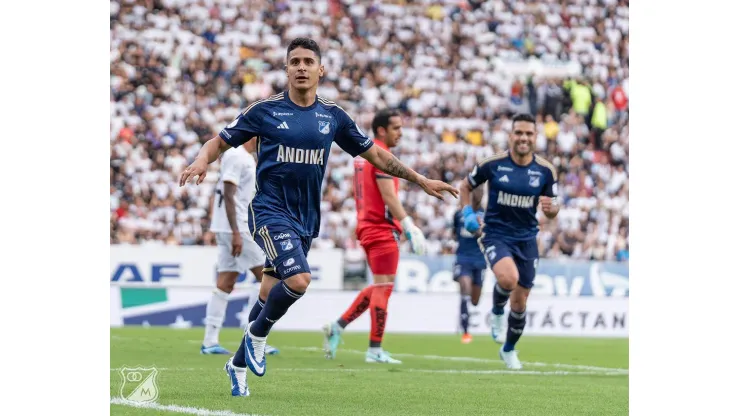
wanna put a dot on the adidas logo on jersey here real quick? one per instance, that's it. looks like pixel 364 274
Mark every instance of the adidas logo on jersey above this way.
pixel 504 179
pixel 283 126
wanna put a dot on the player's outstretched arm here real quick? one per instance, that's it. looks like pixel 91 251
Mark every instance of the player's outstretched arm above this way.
pixel 207 155
pixel 385 161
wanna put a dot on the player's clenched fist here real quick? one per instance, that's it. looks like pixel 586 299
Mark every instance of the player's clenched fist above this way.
pixel 549 205
pixel 198 168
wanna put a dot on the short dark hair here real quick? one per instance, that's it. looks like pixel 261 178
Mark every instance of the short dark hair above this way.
pixel 304 43
pixel 524 117
pixel 383 119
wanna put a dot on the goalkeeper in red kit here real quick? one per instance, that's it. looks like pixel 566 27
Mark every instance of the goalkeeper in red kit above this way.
pixel 378 229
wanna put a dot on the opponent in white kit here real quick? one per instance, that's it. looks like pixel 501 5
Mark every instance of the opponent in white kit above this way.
pixel 237 251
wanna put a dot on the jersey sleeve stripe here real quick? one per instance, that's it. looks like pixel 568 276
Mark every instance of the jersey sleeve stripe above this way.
pixel 333 104
pixel 497 156
pixel 543 162
pixel 276 97
pixel 383 176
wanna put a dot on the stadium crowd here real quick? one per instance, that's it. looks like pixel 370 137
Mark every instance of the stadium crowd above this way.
pixel 182 69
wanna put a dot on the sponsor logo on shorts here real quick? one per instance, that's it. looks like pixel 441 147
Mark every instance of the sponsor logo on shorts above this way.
pixel 289 262
pixel 281 236
pixel 491 254
pixel 292 269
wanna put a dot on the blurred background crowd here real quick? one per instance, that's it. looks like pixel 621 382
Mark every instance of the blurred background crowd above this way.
pixel 458 70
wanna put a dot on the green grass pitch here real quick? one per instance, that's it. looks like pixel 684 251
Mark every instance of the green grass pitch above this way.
pixel 439 376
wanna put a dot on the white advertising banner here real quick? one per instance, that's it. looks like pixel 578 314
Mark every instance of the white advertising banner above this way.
pixel 558 278
pixel 439 313
pixel 195 266
pixel 184 307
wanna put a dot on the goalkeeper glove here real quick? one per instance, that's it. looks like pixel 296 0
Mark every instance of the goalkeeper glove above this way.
pixel 414 235
pixel 470 219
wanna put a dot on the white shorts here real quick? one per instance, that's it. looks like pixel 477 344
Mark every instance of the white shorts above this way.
pixel 251 256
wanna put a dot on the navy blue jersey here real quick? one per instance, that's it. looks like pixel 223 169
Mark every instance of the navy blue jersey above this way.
pixel 293 145
pixel 468 250
pixel 513 194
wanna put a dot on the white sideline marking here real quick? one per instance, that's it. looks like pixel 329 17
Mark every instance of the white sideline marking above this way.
pixel 446 358
pixel 454 371
pixel 475 360
pixel 176 409
pixel 416 370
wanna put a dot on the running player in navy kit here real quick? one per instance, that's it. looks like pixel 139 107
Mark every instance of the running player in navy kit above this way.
pixel 295 131
pixel 518 180
pixel 470 265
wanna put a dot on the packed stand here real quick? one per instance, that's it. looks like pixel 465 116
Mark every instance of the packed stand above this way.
pixel 182 69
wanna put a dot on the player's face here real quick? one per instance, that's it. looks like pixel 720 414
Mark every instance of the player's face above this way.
pixel 304 69
pixel 521 138
pixel 393 133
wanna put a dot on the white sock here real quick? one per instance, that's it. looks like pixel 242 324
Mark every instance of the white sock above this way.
pixel 241 374
pixel 215 313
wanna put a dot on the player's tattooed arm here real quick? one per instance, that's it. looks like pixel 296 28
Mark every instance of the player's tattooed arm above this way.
pixel 394 167
pixel 385 161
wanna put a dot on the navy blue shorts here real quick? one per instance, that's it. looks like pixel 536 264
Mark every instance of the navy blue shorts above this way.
pixel 286 251
pixel 468 269
pixel 524 253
